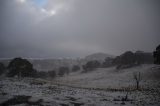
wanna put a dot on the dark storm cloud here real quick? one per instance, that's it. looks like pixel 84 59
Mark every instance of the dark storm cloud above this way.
pixel 78 27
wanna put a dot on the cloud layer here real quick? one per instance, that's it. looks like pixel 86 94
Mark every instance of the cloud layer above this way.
pixel 75 28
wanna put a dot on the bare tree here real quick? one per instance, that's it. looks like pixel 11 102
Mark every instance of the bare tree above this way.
pixel 137 78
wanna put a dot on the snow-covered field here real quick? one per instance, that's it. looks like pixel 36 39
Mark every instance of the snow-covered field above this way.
pixel 102 87
pixel 113 78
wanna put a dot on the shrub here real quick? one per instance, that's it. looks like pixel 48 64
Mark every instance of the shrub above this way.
pixel 42 74
pixel 108 62
pixel 63 71
pixel 91 65
pixel 75 68
pixel 52 74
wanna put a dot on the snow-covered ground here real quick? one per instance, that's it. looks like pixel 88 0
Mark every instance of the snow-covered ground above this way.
pixel 97 88
pixel 113 78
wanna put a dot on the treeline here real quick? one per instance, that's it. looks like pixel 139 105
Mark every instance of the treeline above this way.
pixel 129 59
pixel 19 67
pixel 126 60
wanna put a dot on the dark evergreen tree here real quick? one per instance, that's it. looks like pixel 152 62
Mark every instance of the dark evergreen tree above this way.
pixel 2 68
pixel 156 55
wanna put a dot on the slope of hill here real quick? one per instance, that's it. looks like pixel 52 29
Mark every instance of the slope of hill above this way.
pixel 112 78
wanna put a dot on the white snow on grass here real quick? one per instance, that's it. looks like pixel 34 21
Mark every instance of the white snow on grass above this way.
pixel 110 77
pixel 85 89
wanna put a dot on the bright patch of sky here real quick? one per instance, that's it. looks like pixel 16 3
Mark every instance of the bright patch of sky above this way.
pixel 40 3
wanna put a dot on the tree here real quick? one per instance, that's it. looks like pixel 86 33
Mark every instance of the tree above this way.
pixel 91 65
pixel 143 57
pixel 21 68
pixel 52 74
pixel 2 68
pixel 108 62
pixel 137 78
pixel 156 55
pixel 125 59
pixel 128 58
pixel 75 68
pixel 63 71
pixel 42 74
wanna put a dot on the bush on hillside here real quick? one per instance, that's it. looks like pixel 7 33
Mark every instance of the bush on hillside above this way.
pixel 108 62
pixel 91 65
pixel 75 68
pixel 62 71
pixel 42 74
pixel 52 74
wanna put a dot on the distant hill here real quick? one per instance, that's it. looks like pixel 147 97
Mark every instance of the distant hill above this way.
pixel 98 56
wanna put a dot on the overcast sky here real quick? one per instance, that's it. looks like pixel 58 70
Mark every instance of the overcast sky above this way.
pixel 76 28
